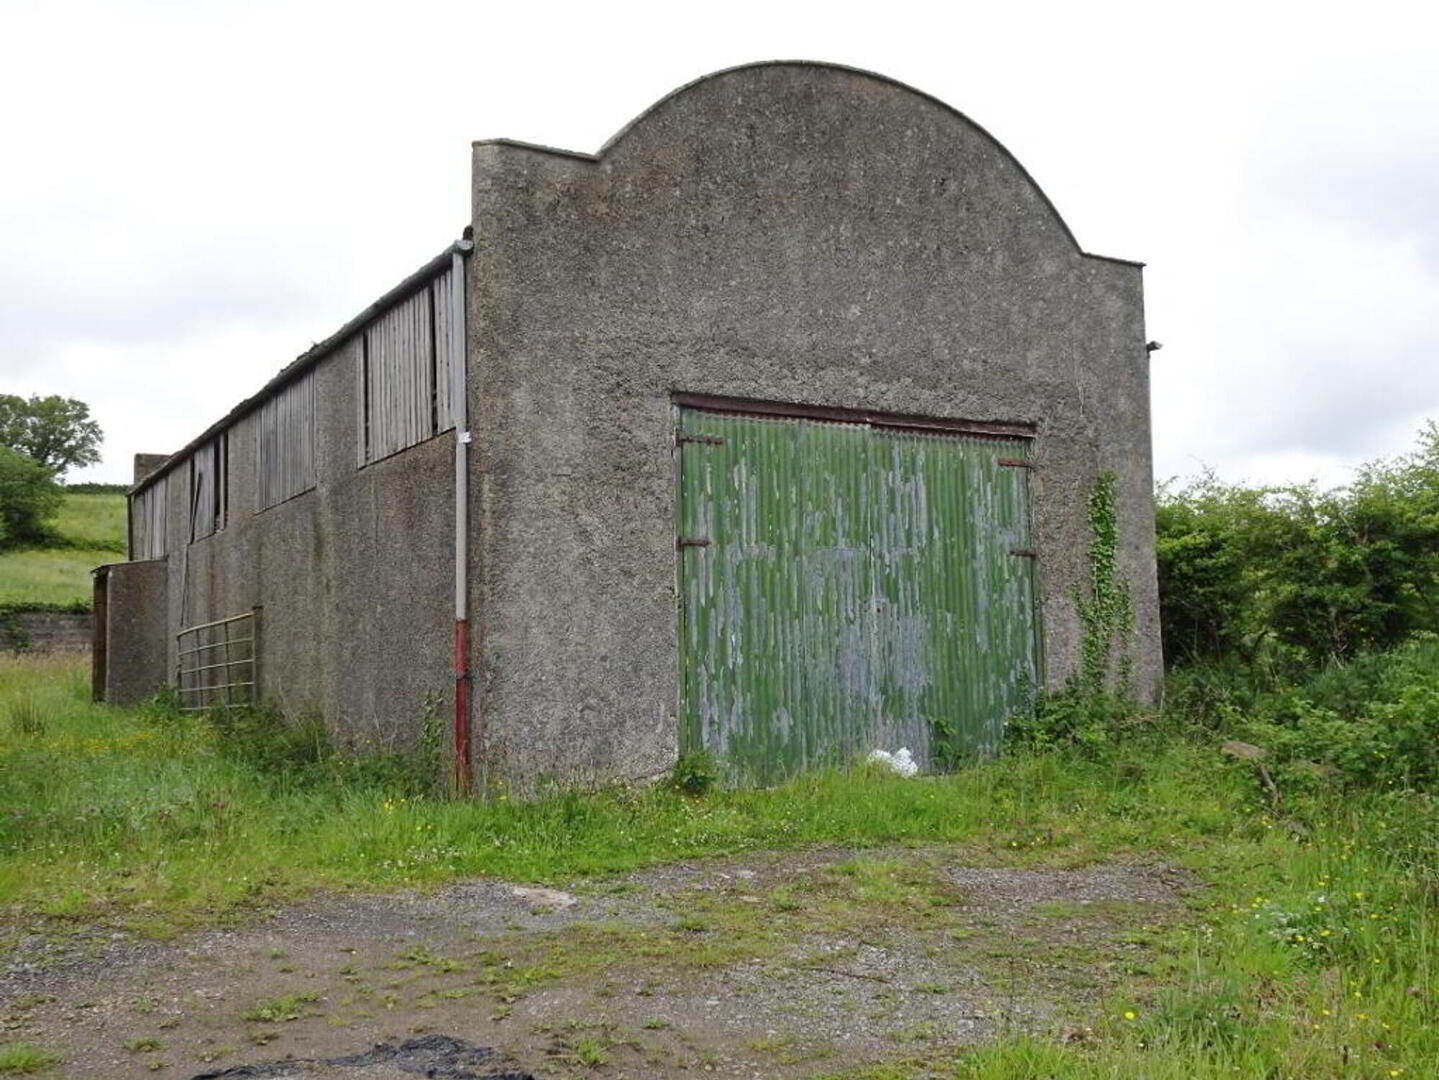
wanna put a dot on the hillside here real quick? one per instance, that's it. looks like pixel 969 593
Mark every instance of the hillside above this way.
pixel 91 531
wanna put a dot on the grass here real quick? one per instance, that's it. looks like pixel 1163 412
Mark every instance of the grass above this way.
pixel 281 1009
pixel 57 577
pixel 21 1059
pixel 93 522
pixel 1311 953
pixel 104 811
pixel 91 530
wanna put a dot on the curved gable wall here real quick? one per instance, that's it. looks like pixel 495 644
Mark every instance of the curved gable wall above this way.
pixel 788 232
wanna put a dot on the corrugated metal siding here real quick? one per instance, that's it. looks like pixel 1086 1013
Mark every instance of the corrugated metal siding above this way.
pixel 954 604
pixel 405 371
pixel 149 521
pixel 859 592
pixel 208 487
pixel 285 444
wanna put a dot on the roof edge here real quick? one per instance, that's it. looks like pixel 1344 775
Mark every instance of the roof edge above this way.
pixel 824 65
pixel 309 358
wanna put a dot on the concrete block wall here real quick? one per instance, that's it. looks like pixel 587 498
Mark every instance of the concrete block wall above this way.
pixel 136 662
pixel 787 232
pixel 353 578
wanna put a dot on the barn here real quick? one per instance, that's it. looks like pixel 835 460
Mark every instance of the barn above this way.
pixel 791 425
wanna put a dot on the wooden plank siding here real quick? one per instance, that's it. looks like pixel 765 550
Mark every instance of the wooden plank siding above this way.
pixel 406 363
pixel 149 521
pixel 406 366
pixel 285 444
pixel 208 480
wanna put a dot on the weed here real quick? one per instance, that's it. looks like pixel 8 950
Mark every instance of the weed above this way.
pixel 422 955
pixel 280 1009
pixel 20 1058
pixel 695 773
pixel 142 1046
pixel 591 1052
pixel 28 1001
pixel 264 738
pixel 25 715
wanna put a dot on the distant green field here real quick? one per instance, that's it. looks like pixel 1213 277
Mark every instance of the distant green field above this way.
pixel 93 527
pixel 93 522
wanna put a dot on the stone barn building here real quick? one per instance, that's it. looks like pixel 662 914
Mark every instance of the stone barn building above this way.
pixel 770 430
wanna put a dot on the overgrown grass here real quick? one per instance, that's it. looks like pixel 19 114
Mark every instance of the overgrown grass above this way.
pixel 89 530
pixel 1311 954
pixel 106 810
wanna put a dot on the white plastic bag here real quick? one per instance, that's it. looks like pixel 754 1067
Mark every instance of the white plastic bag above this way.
pixel 900 761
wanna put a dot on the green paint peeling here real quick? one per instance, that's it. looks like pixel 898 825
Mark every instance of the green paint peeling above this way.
pixel 859 590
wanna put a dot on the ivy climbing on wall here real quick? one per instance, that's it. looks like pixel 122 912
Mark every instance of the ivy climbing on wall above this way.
pixel 1104 602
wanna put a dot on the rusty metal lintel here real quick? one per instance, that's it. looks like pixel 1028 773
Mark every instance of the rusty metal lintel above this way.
pixel 693 541
pixel 1015 463
pixel 708 440
pixel 1025 553
pixel 750 407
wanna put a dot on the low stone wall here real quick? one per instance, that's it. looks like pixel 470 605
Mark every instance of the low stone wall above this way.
pixel 45 631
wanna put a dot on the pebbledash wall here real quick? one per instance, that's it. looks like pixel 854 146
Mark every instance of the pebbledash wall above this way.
pixel 788 232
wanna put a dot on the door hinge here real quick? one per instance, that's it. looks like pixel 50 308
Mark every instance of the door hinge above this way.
pixel 1015 463
pixel 693 541
pixel 707 440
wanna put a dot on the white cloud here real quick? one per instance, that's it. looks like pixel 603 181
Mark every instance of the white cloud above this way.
pixel 196 191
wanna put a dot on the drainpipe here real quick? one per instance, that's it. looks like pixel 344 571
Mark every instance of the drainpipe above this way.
pixel 459 406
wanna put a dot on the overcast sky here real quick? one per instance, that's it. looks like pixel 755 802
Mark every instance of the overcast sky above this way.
pixel 194 192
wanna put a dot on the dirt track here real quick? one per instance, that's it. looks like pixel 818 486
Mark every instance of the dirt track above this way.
pixel 778 965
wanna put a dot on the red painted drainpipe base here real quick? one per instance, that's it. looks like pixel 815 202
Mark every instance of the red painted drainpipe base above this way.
pixel 462 706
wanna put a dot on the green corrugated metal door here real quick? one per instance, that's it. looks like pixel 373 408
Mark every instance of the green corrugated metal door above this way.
pixel 846 587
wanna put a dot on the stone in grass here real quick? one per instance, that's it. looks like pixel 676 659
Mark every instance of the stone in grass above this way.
pixel 1243 751
pixel 543 899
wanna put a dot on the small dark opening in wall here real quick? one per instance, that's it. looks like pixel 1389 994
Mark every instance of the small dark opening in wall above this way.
pixel 99 620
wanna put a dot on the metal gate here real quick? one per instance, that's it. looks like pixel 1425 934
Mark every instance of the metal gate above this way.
pixel 850 585
pixel 216 667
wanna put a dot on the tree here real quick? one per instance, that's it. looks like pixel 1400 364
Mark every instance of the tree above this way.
pixel 29 496
pixel 55 431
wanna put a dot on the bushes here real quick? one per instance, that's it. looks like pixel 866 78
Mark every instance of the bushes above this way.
pixel 1326 574
pixel 1374 721
pixel 1304 621
pixel 1077 717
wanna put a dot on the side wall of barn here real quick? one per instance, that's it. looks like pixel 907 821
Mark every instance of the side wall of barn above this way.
pixel 352 578
pixel 793 233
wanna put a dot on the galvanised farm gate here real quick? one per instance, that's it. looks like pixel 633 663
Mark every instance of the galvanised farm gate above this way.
pixel 847 583
pixel 771 429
